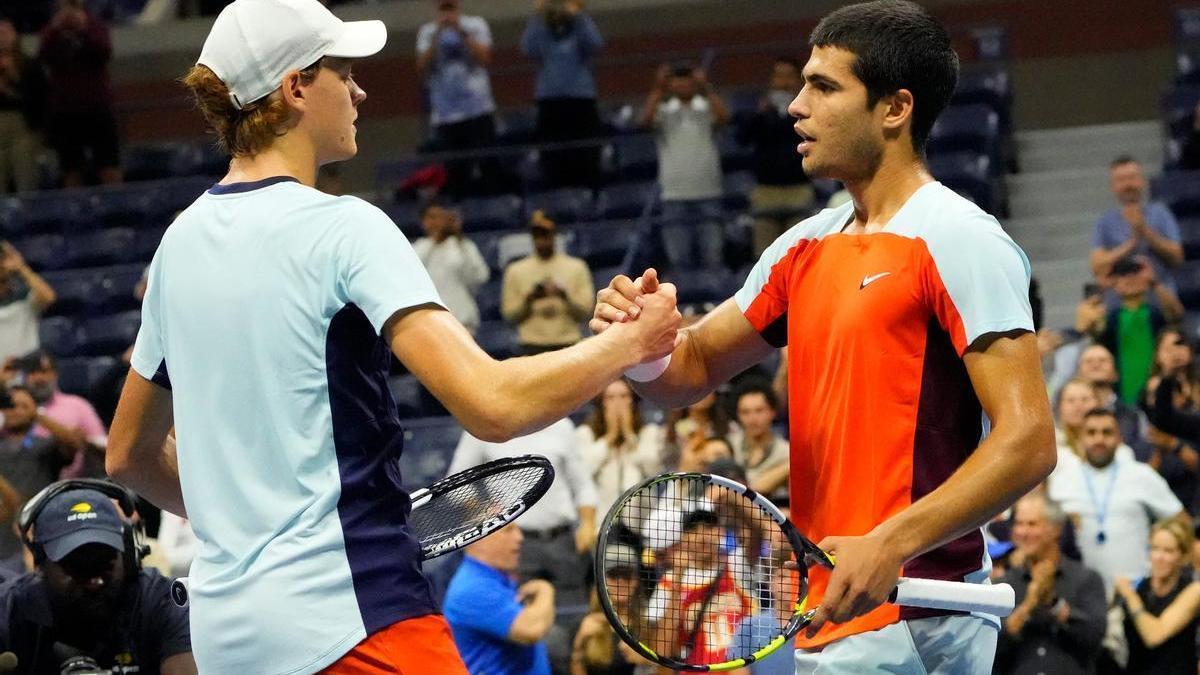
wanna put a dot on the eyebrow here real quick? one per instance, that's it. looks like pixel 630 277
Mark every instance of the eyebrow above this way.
pixel 817 78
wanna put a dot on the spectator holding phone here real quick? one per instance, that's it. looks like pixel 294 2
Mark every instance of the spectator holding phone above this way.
pixel 546 295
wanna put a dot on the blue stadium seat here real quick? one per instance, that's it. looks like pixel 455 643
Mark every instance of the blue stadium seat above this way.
pixel 968 174
pixel 637 158
pixel 106 335
pixel 56 211
pixel 127 206
pixel 58 335
pixel 177 194
pixel 75 292
pixel 153 161
pixel 1187 67
pixel 704 286
pixel 602 276
pixel 737 188
pixel 565 205
pixel 407 216
pixel 604 243
pixel 43 251
pixel 516 127
pixel 146 242
pixel 625 200
pixel 104 247
pixel 735 156
pixel 968 128
pixel 1190 229
pixel 488 299
pixel 1179 109
pixel 406 391
pixel 991 88
pixel 113 287
pixel 79 375
pixel 498 338
pixel 491 213
pixel 429 445
pixel 1180 190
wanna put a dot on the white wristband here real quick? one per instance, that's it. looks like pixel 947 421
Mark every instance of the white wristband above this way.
pixel 646 372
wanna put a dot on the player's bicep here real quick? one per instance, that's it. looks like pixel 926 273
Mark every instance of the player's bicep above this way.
pixel 436 348
pixel 1006 372
pixel 144 417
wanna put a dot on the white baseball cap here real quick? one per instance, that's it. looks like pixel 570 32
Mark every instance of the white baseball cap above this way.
pixel 254 43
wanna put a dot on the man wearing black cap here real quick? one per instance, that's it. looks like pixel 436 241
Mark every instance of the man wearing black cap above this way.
pixel 86 599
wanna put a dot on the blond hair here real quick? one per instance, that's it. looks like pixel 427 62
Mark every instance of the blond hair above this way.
pixel 1183 535
pixel 241 132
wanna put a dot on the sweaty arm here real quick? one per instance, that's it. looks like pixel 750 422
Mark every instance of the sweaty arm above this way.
pixel 1005 371
pixel 498 400
pixel 179 664
pixel 140 454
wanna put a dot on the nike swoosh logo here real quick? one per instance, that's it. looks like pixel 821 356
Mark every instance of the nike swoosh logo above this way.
pixel 872 279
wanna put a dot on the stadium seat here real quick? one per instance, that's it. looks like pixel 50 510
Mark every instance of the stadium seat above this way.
pixel 601 277
pixel 128 206
pixel 406 391
pixel 1187 68
pixel 79 375
pixel 429 445
pixel 491 213
pixel 488 299
pixel 58 335
pixel 113 287
pixel 43 251
pixel 108 335
pixel 968 128
pixel 498 338
pixel 407 216
pixel 1180 190
pixel 625 200
pixel 177 194
pixel 1179 109
pixel 565 205
pixel 636 158
pixel 154 161
pixel 146 242
pixel 104 247
pixel 734 155
pixel 966 173
pixel 604 243
pixel 74 291
pixel 986 87
pixel 516 127
pixel 704 286
pixel 48 212
pixel 737 188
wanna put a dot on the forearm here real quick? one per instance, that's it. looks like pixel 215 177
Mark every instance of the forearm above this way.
pixel 43 293
pixel 1171 252
pixel 66 437
pixel 720 111
pixel 10 502
pixel 480 52
pixel 1103 259
pixel 772 478
pixel 650 109
pixel 1171 307
pixel 1008 464
pixel 587 518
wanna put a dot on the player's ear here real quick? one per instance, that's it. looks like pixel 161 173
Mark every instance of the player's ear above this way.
pixel 292 90
pixel 899 110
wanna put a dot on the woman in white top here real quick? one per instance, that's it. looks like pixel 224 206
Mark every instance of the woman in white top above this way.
pixel 620 450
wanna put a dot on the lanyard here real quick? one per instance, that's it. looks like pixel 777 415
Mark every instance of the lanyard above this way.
pixel 1101 506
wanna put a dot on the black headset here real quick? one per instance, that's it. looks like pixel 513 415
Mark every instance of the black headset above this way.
pixel 135 547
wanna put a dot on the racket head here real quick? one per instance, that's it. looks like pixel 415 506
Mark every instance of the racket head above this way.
pixel 463 508
pixel 667 515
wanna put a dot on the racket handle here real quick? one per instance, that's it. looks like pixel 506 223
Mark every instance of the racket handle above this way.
pixel 997 599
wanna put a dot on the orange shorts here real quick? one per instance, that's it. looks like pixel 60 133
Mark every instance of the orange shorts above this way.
pixel 409 647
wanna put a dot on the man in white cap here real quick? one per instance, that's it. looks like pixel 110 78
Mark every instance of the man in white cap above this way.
pixel 270 317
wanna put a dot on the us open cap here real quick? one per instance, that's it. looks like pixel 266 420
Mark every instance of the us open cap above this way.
pixel 254 43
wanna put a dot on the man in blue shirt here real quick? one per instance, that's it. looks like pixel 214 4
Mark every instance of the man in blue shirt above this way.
pixel 499 625
pixel 1135 227
pixel 563 39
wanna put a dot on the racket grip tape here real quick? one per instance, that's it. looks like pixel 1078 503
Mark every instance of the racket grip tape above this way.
pixel 996 599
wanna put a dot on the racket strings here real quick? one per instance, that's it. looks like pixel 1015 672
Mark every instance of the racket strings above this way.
pixel 713 566
pixel 466 506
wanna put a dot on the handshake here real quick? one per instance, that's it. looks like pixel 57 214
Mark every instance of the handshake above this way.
pixel 645 314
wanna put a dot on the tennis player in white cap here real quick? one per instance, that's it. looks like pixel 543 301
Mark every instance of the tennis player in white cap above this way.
pixel 270 317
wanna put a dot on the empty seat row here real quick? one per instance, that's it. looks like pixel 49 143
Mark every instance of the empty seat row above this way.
pixel 98 336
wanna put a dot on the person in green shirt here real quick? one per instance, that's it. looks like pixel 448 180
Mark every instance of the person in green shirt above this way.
pixel 1129 331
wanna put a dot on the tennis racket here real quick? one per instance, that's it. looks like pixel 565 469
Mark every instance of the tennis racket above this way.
pixel 461 509
pixel 699 573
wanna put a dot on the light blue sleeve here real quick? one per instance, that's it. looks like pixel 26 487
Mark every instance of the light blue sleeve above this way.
pixel 1164 221
pixel 149 358
pixel 980 280
pixel 1102 232
pixel 377 269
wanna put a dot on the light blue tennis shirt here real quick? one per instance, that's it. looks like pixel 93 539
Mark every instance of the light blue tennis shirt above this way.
pixel 263 316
